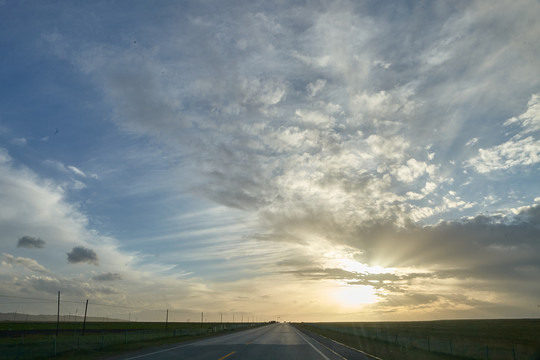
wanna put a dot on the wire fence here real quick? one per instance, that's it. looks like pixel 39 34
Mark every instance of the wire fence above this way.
pixel 62 325
pixel 460 347
pixel 39 344
pixel 20 308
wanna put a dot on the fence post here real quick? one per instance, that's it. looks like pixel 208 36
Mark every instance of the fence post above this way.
pixel 428 344
pixel 514 352
pixel 451 349
pixel 19 349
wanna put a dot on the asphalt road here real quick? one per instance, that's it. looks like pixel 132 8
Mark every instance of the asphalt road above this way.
pixel 276 341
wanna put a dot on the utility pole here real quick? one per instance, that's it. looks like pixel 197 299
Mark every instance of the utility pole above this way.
pixel 84 321
pixel 167 320
pixel 58 315
pixel 202 319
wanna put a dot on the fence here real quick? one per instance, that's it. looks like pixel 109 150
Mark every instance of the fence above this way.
pixel 39 345
pixel 457 347
pixel 63 325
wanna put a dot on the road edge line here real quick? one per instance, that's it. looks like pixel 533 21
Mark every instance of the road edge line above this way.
pixel 157 352
pixel 310 344
pixel 347 346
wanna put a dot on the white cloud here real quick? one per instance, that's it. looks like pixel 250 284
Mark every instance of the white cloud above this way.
pixel 76 171
pixel 519 150
pixel 315 87
pixel 30 264
pixel 315 118
pixel 509 154
pixel 19 141
pixel 530 119
pixel 390 148
pixel 412 171
pixel 384 65
pixel 385 104
pixel 261 91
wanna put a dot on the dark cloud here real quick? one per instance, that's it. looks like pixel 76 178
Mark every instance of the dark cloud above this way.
pixel 30 242
pixel 411 300
pixel 80 254
pixel 387 281
pixel 320 274
pixel 108 277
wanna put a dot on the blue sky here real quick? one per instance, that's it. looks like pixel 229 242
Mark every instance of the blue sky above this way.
pixel 324 160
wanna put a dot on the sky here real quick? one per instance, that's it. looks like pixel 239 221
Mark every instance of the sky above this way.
pixel 300 160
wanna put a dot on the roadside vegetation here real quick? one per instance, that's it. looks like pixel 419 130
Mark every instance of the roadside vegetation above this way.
pixel 38 340
pixel 516 339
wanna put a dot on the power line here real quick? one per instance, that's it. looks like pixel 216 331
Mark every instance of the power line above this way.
pixel 28 298
pixel 54 301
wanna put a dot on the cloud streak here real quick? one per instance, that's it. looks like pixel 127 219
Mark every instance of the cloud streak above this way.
pixel 30 264
pixel 108 277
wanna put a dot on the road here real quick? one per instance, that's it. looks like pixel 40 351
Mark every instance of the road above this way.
pixel 276 341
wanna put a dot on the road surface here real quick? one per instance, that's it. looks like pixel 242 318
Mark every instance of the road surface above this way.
pixel 276 341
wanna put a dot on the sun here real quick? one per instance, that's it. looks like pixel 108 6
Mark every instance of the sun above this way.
pixel 353 296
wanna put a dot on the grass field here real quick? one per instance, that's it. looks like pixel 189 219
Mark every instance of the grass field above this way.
pixel 33 340
pixel 514 339
pixel 77 326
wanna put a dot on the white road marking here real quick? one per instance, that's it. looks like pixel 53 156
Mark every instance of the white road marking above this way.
pixel 157 352
pixel 310 344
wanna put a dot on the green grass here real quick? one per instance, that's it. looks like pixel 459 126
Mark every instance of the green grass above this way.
pixel 102 338
pixel 8 325
pixel 472 339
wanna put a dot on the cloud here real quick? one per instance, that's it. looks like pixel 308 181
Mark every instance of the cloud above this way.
pixel 315 87
pixel 80 254
pixel 30 264
pixel 19 141
pixel 519 150
pixel 328 124
pixel 108 277
pixel 30 242
pixel 515 152
pixel 530 119
pixel 76 289
pixel 498 253
pixel 76 171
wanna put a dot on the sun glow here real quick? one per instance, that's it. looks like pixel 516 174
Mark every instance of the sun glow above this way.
pixel 352 296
